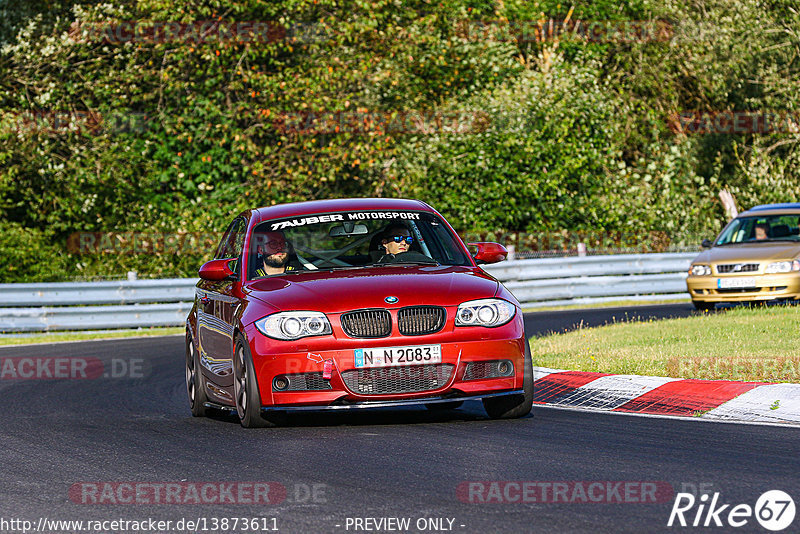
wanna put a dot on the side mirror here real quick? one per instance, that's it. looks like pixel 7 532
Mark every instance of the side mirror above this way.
pixel 216 270
pixel 489 252
pixel 706 243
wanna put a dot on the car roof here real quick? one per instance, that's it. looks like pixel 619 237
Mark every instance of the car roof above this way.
pixel 790 207
pixel 340 204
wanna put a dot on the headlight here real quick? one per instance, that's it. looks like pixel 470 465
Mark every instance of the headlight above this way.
pixel 294 325
pixel 700 270
pixel 782 267
pixel 485 312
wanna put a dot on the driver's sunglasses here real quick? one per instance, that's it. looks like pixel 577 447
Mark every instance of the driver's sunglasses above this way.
pixel 400 238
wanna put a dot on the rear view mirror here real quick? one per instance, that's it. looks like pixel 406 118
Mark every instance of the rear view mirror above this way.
pixel 348 229
pixel 489 252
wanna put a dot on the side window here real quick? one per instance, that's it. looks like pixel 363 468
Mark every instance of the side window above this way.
pixel 232 241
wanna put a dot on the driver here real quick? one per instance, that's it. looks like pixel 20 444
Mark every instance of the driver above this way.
pixel 396 242
pixel 762 230
pixel 274 250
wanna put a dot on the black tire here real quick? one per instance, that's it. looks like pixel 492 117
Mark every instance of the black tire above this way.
pixel 443 406
pixel 519 405
pixel 195 381
pixel 703 306
pixel 245 387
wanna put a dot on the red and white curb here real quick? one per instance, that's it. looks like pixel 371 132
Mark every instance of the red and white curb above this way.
pixel 725 400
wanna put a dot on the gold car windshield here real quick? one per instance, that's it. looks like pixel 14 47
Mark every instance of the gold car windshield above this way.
pixel 763 228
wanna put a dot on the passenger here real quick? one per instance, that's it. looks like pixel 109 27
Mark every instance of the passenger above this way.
pixel 274 250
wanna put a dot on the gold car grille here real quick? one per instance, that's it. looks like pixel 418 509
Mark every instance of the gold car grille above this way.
pixel 737 268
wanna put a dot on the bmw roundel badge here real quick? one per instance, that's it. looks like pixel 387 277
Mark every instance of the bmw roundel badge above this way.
pixel 390 300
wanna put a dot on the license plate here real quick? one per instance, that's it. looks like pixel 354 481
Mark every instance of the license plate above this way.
pixel 729 283
pixel 394 356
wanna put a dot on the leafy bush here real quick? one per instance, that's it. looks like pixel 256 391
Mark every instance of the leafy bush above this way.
pixel 29 255
pixel 541 163
pixel 568 135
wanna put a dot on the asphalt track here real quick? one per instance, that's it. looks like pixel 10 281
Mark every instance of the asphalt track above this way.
pixel 546 322
pixel 388 463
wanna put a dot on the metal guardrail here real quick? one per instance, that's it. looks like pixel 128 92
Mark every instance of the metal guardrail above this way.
pixel 93 317
pixel 591 279
pixel 80 305
pixel 77 293
pixel 146 303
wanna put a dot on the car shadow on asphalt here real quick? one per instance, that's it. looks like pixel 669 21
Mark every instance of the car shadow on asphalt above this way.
pixel 471 411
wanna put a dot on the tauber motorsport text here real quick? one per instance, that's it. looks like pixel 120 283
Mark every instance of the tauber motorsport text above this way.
pixel 356 216
pixel 774 510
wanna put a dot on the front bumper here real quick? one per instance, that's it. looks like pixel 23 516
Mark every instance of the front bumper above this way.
pixel 767 287
pixel 503 343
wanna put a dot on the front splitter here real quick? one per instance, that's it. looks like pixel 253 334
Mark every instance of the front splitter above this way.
pixel 388 403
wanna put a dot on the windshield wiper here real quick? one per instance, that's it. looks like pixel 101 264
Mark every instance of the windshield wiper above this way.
pixel 408 262
pixel 752 241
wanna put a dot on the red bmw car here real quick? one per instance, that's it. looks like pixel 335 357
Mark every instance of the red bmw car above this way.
pixel 350 304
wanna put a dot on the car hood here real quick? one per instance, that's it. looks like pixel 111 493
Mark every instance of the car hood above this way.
pixel 348 289
pixel 749 252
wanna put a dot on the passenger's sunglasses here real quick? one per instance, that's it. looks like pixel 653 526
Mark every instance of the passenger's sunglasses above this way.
pixel 400 238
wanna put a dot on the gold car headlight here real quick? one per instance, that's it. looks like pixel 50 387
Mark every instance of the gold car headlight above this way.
pixel 700 270
pixel 782 267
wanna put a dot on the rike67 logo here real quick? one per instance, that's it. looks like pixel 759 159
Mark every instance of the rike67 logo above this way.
pixel 774 510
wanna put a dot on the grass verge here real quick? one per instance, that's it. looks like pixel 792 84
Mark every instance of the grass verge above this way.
pixel 758 344
pixel 83 336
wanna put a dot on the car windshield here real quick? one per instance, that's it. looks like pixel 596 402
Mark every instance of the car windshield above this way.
pixel 352 240
pixel 764 228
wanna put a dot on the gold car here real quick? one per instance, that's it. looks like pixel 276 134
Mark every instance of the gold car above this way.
pixel 754 258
